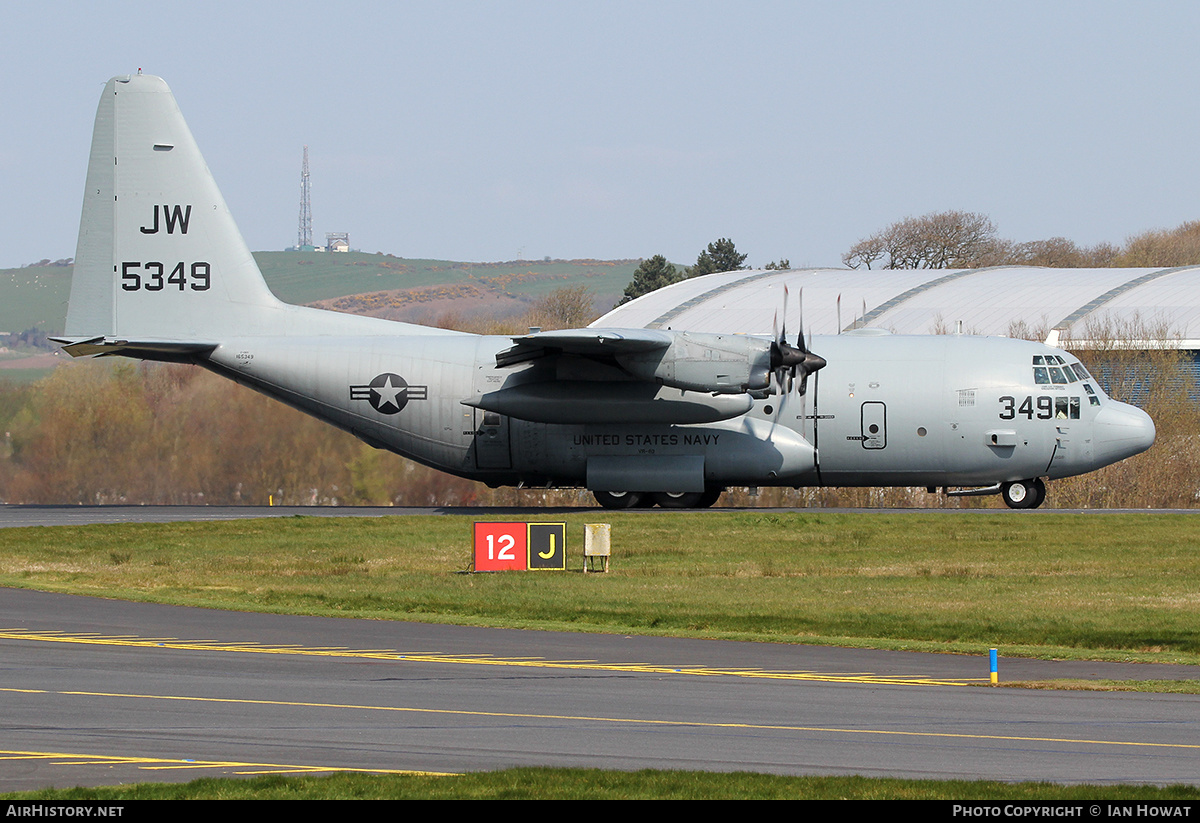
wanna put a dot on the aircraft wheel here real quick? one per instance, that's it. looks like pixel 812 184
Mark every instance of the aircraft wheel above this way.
pixel 679 500
pixel 710 497
pixel 1024 494
pixel 1039 486
pixel 621 500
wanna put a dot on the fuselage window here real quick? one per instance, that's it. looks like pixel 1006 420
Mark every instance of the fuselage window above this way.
pixel 1040 375
pixel 1066 408
pixel 1057 376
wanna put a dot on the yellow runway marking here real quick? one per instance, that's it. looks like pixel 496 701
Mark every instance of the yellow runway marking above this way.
pixel 636 721
pixel 160 764
pixel 480 659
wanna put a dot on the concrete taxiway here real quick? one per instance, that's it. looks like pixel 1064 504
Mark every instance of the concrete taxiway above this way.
pixel 103 692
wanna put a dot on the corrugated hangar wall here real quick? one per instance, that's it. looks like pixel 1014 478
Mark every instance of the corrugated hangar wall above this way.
pixel 992 301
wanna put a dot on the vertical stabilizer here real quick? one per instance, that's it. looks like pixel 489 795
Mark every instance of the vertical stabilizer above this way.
pixel 159 255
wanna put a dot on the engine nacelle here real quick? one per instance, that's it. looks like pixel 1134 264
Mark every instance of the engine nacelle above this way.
pixel 717 363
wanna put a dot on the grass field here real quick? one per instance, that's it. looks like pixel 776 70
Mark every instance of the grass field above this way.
pixel 305 277
pixel 36 296
pixel 1102 586
pixel 593 784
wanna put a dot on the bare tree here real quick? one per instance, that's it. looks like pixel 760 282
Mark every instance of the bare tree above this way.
pixel 941 240
pixel 566 308
pixel 1163 247
pixel 1061 253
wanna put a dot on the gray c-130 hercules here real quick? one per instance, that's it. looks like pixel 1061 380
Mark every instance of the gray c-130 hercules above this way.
pixel 638 416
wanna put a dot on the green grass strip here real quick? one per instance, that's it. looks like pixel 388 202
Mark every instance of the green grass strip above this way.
pixel 1105 586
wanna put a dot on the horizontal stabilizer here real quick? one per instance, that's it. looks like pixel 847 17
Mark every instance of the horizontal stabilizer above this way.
pixel 171 351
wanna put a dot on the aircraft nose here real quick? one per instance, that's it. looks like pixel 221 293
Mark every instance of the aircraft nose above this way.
pixel 1121 431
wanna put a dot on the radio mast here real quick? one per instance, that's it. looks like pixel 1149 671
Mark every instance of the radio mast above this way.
pixel 304 237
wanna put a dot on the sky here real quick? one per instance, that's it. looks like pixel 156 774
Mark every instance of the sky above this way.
pixel 491 131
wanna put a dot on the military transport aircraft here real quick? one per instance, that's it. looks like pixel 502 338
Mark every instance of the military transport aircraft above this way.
pixel 638 416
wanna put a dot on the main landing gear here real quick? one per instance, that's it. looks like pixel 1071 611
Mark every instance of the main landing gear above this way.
pixel 668 500
pixel 1024 494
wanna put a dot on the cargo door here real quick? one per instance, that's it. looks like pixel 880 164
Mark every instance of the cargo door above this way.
pixel 491 441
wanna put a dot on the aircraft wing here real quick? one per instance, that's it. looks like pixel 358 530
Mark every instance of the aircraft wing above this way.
pixel 643 374
pixel 583 342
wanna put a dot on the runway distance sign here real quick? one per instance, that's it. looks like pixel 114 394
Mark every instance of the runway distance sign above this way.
pixel 519 546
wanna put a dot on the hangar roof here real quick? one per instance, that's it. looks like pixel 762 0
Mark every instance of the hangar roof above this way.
pixel 1026 301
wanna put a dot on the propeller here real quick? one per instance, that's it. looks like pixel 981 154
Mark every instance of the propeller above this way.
pixel 789 361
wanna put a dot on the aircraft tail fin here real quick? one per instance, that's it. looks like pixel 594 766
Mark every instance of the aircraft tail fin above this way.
pixel 159 256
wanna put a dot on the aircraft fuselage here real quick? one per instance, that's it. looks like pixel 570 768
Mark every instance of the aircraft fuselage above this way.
pixel 887 410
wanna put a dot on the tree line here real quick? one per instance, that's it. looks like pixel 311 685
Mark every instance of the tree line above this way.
pixel 948 240
pixel 968 240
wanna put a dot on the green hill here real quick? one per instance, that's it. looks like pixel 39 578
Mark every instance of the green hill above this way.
pixel 36 296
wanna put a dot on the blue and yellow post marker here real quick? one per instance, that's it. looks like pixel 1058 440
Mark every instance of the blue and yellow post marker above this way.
pixel 995 670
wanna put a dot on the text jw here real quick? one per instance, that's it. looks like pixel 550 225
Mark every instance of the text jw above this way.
pixel 174 216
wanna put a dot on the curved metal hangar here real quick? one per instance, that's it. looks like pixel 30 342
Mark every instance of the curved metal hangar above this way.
pixel 1012 301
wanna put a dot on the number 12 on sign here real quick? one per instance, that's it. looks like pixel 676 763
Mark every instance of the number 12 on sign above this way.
pixel 519 546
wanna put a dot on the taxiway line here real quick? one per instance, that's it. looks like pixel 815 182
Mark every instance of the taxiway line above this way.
pixel 479 659
pixel 638 721
pixel 156 764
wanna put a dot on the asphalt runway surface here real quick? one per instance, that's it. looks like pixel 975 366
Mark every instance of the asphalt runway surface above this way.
pixel 100 692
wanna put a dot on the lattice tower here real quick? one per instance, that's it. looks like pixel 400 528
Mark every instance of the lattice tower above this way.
pixel 304 237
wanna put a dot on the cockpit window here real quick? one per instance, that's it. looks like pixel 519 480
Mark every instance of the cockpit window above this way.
pixel 1052 368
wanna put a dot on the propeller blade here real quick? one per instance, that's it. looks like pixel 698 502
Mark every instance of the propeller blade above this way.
pixel 790 363
pixel 800 334
pixel 783 332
